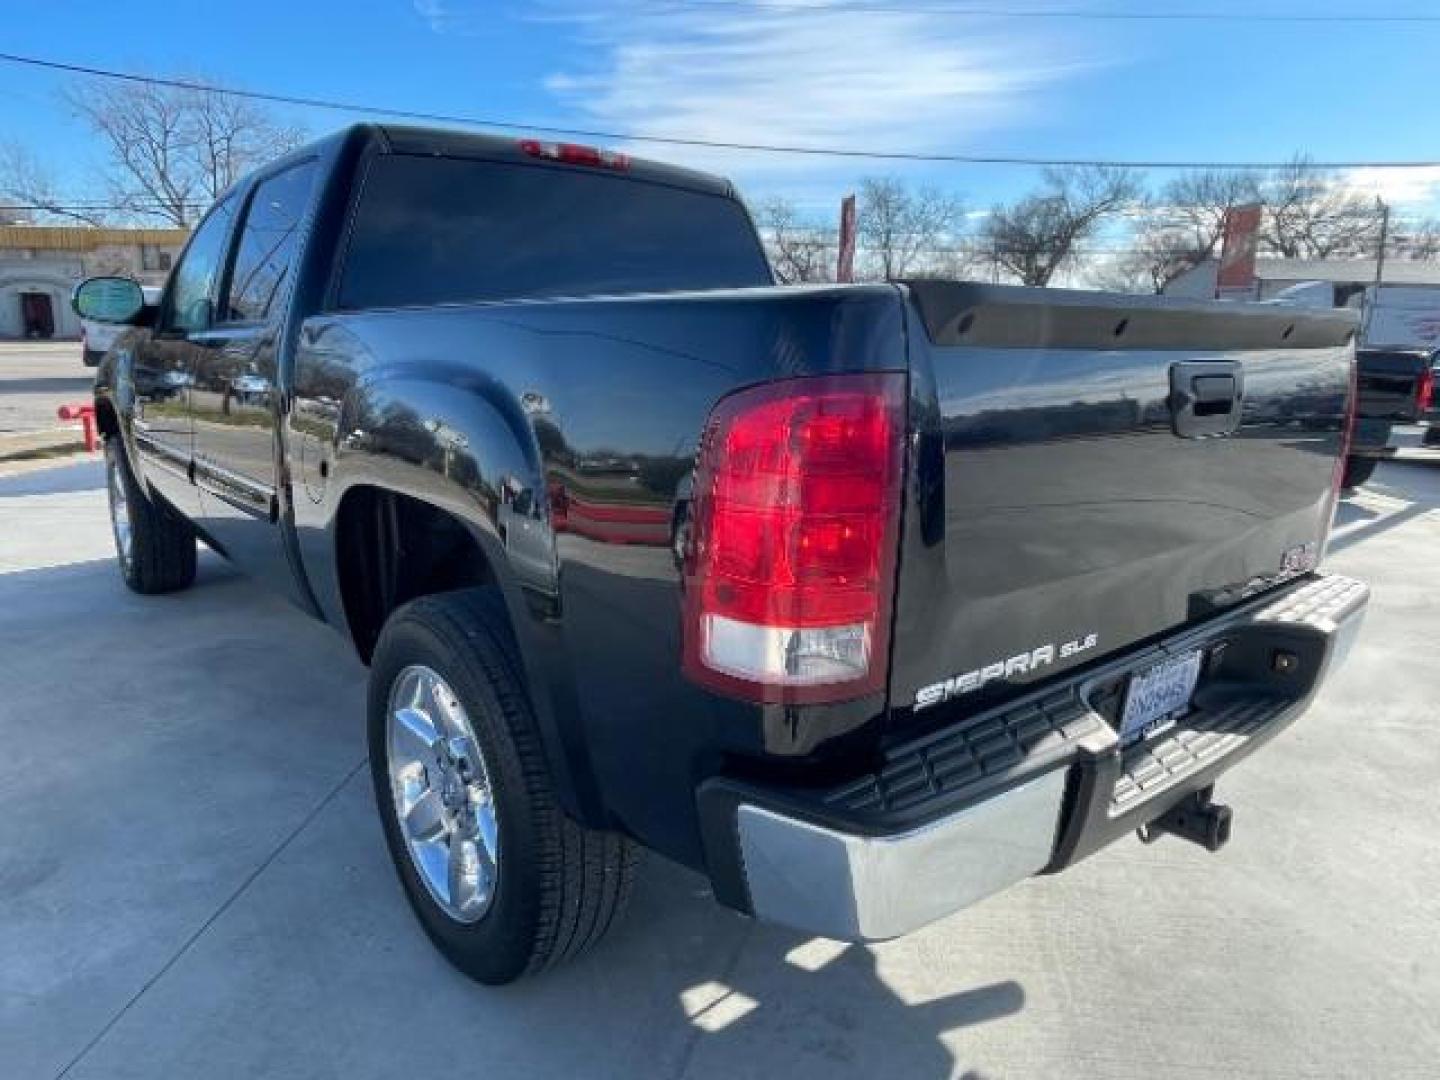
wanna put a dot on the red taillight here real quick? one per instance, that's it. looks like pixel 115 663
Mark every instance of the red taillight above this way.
pixel 575 154
pixel 1425 392
pixel 791 561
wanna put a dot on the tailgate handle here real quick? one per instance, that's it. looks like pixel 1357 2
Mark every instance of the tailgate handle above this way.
pixel 1214 394
pixel 1206 397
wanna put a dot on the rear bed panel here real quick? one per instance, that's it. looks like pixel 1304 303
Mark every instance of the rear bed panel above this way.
pixel 1055 513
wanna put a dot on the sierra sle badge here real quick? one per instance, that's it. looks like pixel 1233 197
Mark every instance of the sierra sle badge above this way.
pixel 1020 664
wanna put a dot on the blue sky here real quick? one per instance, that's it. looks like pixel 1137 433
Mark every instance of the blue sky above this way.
pixel 730 70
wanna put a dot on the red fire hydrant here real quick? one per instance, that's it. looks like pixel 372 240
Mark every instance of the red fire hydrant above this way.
pixel 86 415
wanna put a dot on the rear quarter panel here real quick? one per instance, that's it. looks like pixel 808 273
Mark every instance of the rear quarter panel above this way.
pixel 565 433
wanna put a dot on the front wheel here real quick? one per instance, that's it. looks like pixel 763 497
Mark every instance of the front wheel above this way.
pixel 503 882
pixel 154 545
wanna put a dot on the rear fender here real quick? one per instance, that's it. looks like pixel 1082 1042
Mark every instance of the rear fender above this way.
pixel 456 440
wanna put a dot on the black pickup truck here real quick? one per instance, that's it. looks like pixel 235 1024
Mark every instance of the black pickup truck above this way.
pixel 1393 386
pixel 865 601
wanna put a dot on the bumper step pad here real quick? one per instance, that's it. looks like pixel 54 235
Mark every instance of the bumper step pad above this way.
pixel 987 751
pixel 1149 769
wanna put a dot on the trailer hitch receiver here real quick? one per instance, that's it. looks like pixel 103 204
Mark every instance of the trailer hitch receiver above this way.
pixel 1196 819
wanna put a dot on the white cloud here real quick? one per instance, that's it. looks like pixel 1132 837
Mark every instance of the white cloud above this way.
pixel 449 16
pixel 827 78
pixel 1416 188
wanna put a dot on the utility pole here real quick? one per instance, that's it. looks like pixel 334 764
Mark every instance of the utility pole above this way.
pixel 1384 209
pixel 845 256
pixel 1374 299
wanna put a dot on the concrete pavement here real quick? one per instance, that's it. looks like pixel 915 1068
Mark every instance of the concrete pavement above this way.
pixel 193 881
pixel 36 378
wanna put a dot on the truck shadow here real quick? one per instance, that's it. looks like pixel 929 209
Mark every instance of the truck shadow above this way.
pixel 64 480
pixel 213 764
pixel 1409 489
pixel 783 1003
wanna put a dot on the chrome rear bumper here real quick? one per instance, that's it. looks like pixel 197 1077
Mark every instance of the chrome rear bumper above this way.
pixel 860 888
pixel 949 819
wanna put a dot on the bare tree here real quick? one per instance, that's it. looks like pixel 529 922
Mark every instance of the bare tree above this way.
pixel 1178 229
pixel 1310 214
pixel 1420 241
pixel 799 251
pixel 30 189
pixel 231 136
pixel 1186 223
pixel 899 227
pixel 1126 273
pixel 1193 206
pixel 1156 257
pixel 1037 235
pixel 173 150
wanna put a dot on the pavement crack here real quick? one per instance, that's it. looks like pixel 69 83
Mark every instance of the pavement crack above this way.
pixel 239 891
pixel 726 973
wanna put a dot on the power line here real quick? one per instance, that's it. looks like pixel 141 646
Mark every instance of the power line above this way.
pixel 669 140
pixel 1052 13
pixel 145 203
pixel 136 206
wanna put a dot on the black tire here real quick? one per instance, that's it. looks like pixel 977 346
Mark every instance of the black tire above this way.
pixel 162 544
pixel 1358 470
pixel 559 886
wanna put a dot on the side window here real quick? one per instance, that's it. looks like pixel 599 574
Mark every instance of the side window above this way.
pixel 268 244
pixel 192 285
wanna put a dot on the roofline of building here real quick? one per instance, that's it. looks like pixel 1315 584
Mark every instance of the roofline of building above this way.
pixel 84 237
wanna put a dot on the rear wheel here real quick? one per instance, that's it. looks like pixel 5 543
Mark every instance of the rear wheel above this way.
pixel 1358 470
pixel 503 882
pixel 154 545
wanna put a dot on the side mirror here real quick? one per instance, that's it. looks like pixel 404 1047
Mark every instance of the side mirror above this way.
pixel 108 299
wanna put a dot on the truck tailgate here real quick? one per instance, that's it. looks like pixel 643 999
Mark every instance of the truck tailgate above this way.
pixel 1091 471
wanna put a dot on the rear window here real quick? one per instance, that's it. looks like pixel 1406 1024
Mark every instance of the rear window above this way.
pixel 446 230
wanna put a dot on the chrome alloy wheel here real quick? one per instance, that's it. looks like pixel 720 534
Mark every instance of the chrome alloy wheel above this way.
pixel 119 509
pixel 440 788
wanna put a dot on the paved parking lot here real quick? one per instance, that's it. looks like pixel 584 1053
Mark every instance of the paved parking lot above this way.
pixel 36 378
pixel 193 881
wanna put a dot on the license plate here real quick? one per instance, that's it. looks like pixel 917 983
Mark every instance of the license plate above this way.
pixel 1157 696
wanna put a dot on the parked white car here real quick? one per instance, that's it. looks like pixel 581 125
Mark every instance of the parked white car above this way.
pixel 97 337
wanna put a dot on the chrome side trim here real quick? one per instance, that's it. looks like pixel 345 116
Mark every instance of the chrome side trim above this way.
pixel 239 491
pixel 861 888
pixel 157 452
